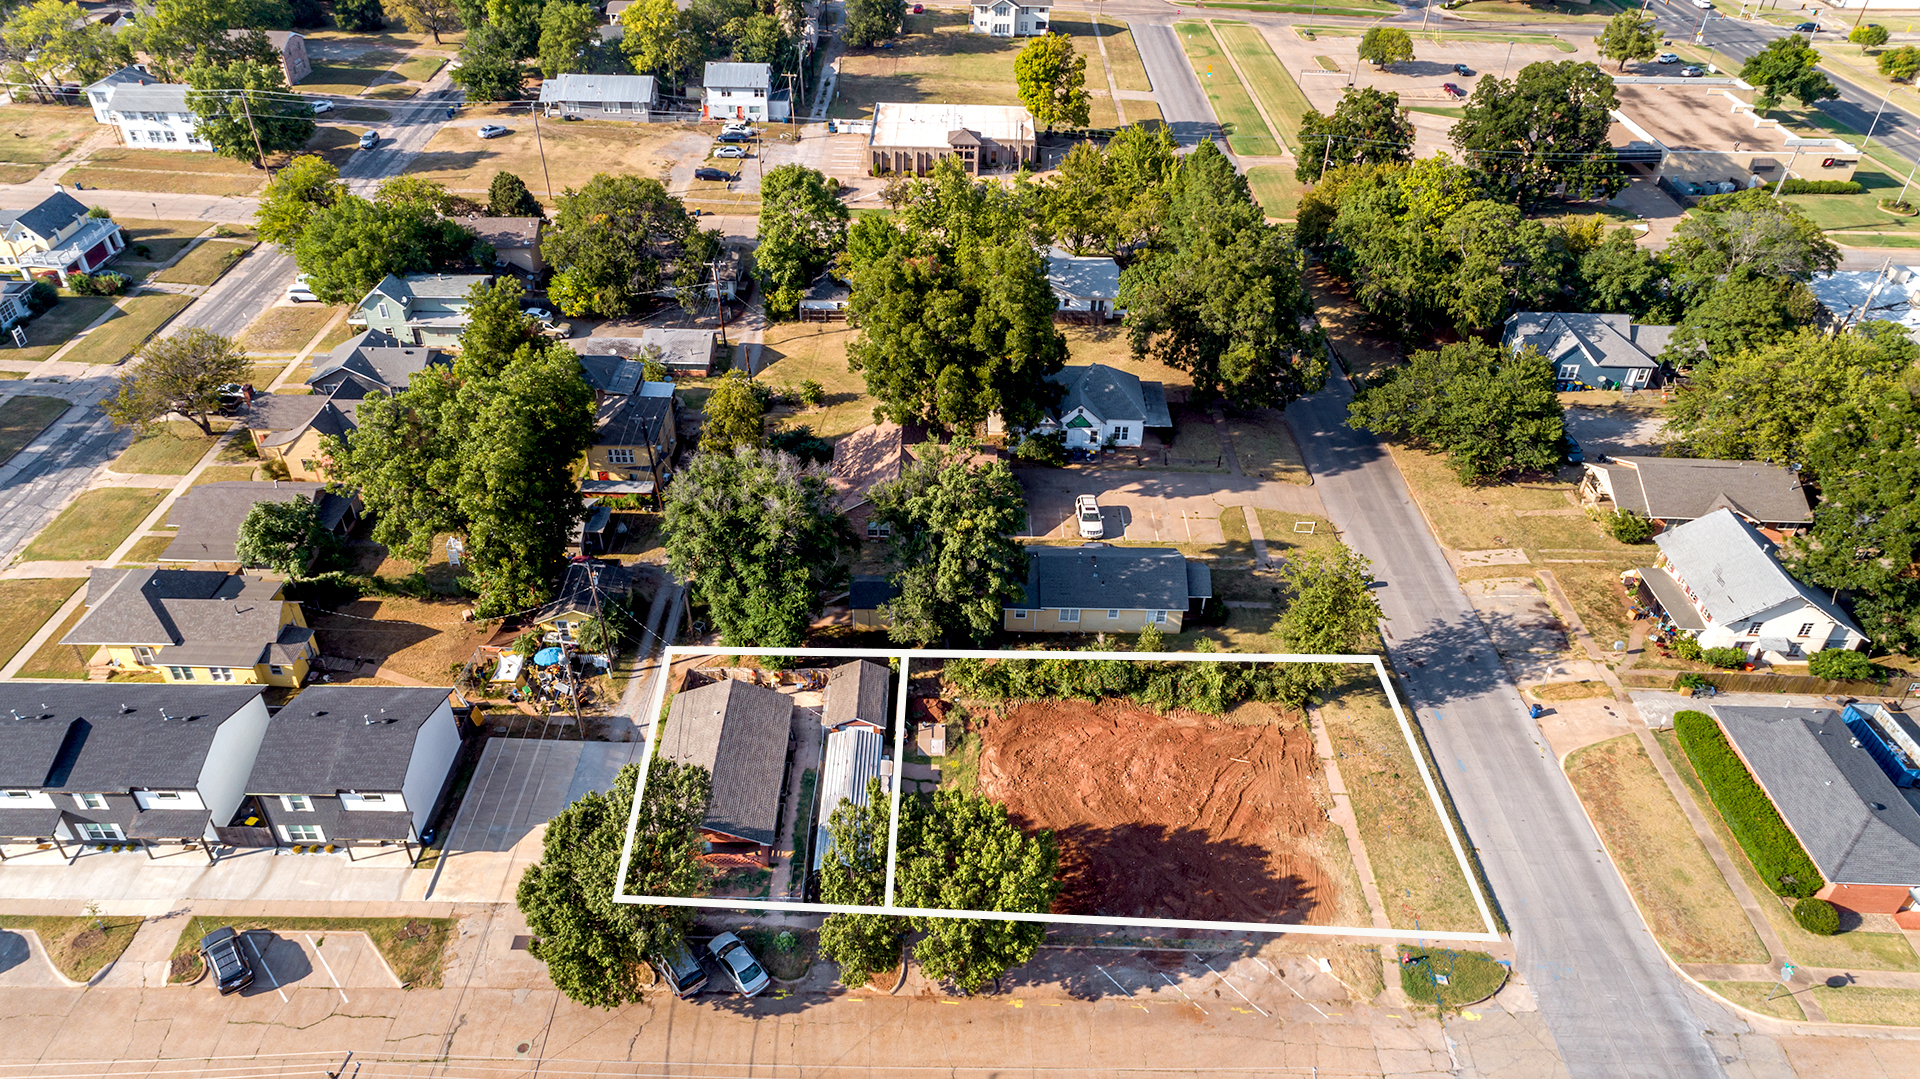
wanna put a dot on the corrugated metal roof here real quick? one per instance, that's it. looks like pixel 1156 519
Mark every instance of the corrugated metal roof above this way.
pixel 729 76
pixel 853 758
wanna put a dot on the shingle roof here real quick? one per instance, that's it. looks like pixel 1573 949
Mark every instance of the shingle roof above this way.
pixel 126 76
pixel 50 215
pixel 168 824
pixel 678 348
pixel 208 618
pixel 1731 570
pixel 335 415
pixel 211 514
pixel 30 823
pixel 106 749
pixel 868 592
pixel 150 97
pixel 375 360
pixel 633 420
pixel 322 743
pixel 1093 578
pixel 615 375
pixel 865 459
pixel 728 76
pixel 1083 277
pixel 509 233
pixel 1111 395
pixel 1605 340
pixel 29 745
pixel 1678 489
pixel 597 88
pixel 427 286
pixel 857 690
pixel 579 586
pixel 738 732
pixel 1855 824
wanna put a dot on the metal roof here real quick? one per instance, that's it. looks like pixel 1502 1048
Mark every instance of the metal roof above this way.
pixel 601 88
pixel 738 732
pixel 343 738
pixel 1094 578
pixel 852 758
pixel 737 76
pixel 1083 277
pixel 587 586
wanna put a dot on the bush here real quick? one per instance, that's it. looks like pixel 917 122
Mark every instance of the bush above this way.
pixel 1900 64
pixel 1842 665
pixel 100 284
pixel 1871 35
pixel 1627 526
pixel 1204 687
pixel 1686 648
pixel 1043 449
pixel 1691 680
pixel 99 212
pixel 1728 658
pixel 1821 187
pixel 1776 855
pixel 1817 916
pixel 812 394
pixel 800 441
pixel 41 297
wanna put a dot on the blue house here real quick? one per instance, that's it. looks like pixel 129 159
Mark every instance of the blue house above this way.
pixel 1591 351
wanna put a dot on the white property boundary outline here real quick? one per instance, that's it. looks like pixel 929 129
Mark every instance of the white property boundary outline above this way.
pixel 906 656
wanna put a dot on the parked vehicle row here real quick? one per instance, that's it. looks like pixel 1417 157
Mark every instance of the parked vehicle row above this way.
pixel 686 976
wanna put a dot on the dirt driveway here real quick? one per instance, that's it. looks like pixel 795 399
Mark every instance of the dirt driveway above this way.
pixel 1630 431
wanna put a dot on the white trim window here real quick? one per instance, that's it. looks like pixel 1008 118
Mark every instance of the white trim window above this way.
pixel 180 674
pixel 1020 616
pixel 90 801
pixel 220 674
pixel 302 833
pixel 16 796
pixel 879 529
pixel 296 803
pixel 1806 630
pixel 1112 614
pixel 1159 617
pixel 101 833
pixel 164 796
pixel 620 456
pixel 1569 372
pixel 1069 614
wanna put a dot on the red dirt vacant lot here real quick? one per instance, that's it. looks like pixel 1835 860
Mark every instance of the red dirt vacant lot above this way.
pixel 1169 816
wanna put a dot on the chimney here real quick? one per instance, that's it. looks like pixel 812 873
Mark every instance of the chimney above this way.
pixel 60 188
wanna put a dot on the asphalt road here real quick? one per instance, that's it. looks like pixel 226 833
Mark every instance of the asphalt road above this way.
pixel 1182 103
pixel 36 482
pixel 238 298
pixel 1604 988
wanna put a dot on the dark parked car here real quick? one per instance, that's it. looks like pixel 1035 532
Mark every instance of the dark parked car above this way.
pixel 681 971
pixel 1462 70
pixel 1806 27
pixel 226 960
pixel 713 174
pixel 1570 447
pixel 1452 90
pixel 733 136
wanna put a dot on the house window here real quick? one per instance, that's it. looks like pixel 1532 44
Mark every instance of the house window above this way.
pixel 170 136
pixel 1021 615
pixel 620 457
pixel 275 668
pixel 1753 629
pixel 373 797
pixel 180 674
pixel 144 654
pixel 383 309
pixel 98 832
pixel 15 795
pixel 90 801
pixel 610 106
pixel 1112 614
pixel 301 833
pixel 1159 616
pixel 297 803
pixel 1069 614
pixel 1569 372
pixel 1806 630
pixel 220 674
pixel 879 529
pixel 1121 434
pixel 164 796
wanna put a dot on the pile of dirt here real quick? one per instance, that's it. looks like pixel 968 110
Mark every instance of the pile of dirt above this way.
pixel 1174 816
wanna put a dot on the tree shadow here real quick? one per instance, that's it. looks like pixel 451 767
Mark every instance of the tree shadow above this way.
pixel 1140 870
pixel 14 950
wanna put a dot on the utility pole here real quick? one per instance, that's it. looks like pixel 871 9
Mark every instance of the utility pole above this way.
pixel 1784 173
pixel 537 141
pixel 720 301
pixel 1508 60
pixel 1426 13
pixel 258 154
pixel 1903 187
pixel 1326 155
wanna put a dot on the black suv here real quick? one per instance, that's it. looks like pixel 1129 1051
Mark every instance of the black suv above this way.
pixel 220 950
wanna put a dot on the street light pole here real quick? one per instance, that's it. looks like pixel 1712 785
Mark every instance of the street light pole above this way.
pixel 1903 187
pixel 1784 173
pixel 1876 118
pixel 1700 35
pixel 1508 60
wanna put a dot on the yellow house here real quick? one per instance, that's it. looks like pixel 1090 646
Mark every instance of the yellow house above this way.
pixel 56 238
pixel 289 428
pixel 588 589
pixel 1095 588
pixel 203 626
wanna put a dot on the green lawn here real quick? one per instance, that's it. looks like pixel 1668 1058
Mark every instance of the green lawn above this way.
pixel 1469 976
pixel 206 263
pixel 171 448
pixel 349 78
pixel 1842 214
pixel 1358 9
pixel 1279 94
pixel 25 606
pixel 1548 40
pixel 56 326
pixel 93 525
pixel 22 418
pixel 164 239
pixel 1537 11
pixel 1128 72
pixel 138 319
pixel 1767 998
pixel 1275 189
pixel 1246 133
pixel 413 947
pixel 146 550
pixel 793 352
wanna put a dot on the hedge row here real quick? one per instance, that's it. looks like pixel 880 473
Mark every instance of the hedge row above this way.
pixel 1206 686
pixel 1774 850
pixel 1821 187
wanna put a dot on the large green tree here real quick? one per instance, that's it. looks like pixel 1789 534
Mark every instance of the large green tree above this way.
pixel 569 35
pixel 959 851
pixel 1112 198
pixel 596 949
pixel 803 227
pixel 1220 295
pixel 490 67
pixel 49 41
pixel 307 185
pixel 954 559
pixel 1629 36
pixel 1490 410
pixel 1053 81
pixel 497 328
pixel 244 109
pixel 1545 128
pixel 1368 126
pixel 853 873
pixel 349 246
pixel 1865 455
pixel 1330 605
pixel 1384 45
pixel 617 241
pixel 1751 229
pixel 180 34
pixel 285 537
pixel 183 373
pixel 1744 309
pixel 1787 67
pixel 953 307
pixel 869 22
pixel 507 196
pixel 426 16
pixel 363 16
pixel 755 535
pixel 660 40
pixel 733 415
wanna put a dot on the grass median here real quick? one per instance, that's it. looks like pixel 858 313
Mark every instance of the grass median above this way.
pixel 1239 120
pixel 1279 94
pixel 79 947
pixel 413 947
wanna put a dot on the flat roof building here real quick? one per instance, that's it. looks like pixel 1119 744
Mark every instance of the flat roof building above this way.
pixel 913 137
pixel 1699 132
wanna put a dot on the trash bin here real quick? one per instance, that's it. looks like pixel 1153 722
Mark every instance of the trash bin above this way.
pixel 1534 711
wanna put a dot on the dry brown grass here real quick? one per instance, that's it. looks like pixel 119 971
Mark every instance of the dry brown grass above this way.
pixel 123 168
pixel 40 136
pixel 575 153
pixel 25 606
pixel 793 352
pixel 1365 351
pixel 936 58
pixel 1754 996
pixel 1569 691
pixel 1680 891
pixel 422 639
pixel 286 329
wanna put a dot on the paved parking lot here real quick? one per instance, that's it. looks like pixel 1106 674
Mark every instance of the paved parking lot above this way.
pixel 325 960
pixel 24 963
pixel 1152 507
pixel 521 783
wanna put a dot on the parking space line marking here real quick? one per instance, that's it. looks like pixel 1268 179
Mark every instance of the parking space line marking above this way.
pixel 1231 986
pixel 330 975
pixel 1182 992
pixel 1289 986
pixel 1120 987
pixel 264 968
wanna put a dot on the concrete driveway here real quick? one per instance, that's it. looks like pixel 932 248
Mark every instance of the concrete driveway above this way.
pixel 24 963
pixel 1152 507
pixel 324 960
pixel 1631 431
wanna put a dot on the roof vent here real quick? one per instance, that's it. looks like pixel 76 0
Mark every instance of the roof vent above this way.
pixel 1877 806
pixel 368 720
pixel 164 716
pixel 125 708
pixel 16 714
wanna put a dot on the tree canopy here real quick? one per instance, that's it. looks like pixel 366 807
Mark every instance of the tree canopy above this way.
pixel 756 536
pixel 1368 126
pixel 1111 198
pixel 1787 67
pixel 954 560
pixel 491 68
pixel 426 16
pixel 854 873
pixel 1629 36
pixel 49 41
pixel 1490 410
pixel 183 373
pixel 286 537
pixel 507 196
pixel 1737 312
pixel 1900 64
pixel 1383 45
pixel 307 185
pixel 803 228
pixel 180 34
pixel 349 244
pixel 1545 128
pixel 616 240
pixel 1053 81
pixel 659 40
pixel 734 415
pixel 244 110
pixel 595 949
pixel 1219 295
pixel 1751 229
pixel 869 22
pixel 569 37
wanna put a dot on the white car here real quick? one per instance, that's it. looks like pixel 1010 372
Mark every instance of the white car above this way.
pixel 729 151
pixel 538 314
pixel 1703 5
pixel 1086 509
pixel 739 964
pixel 737 128
pixel 298 292
pixel 322 105
pixel 1667 58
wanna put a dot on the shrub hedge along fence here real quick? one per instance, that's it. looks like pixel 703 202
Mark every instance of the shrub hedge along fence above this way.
pixel 1774 850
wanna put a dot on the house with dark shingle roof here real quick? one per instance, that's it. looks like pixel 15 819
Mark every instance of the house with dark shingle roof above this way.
pixel 1675 490
pixel 858 692
pixel 739 733
pixel 373 362
pixel 1100 589
pixel 292 428
pixel 1861 829
pixel 515 240
pixel 863 460
pixel 1591 351
pixel 865 596
pixel 634 440
pixel 1105 406
pixel 97 763
pixel 1718 582
pixel 211 514
pixel 200 626
pixel 352 766
pixel 56 238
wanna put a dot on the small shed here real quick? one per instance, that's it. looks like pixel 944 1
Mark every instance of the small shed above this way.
pixel 853 758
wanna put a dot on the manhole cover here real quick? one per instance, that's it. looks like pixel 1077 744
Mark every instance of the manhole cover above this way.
pixel 522 1048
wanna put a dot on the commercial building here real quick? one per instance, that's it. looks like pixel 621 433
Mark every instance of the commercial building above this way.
pixel 912 138
pixel 1704 135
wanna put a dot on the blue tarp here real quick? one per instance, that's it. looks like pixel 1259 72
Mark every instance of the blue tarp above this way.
pixel 546 657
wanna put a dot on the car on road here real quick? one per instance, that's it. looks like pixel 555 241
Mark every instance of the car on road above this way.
pixel 299 292
pixel 1667 58
pixel 322 106
pixel 1703 5
pixel 1806 27
pixel 729 151
pixel 739 963
pixel 1086 510
pixel 713 174
pixel 492 131
pixel 1691 72
pixel 558 329
pixel 919 9
pixel 225 960
pixel 368 139
pixel 733 136
pixel 1462 70
pixel 680 970
pixel 1452 90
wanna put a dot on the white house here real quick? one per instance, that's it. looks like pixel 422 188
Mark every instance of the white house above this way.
pixel 1084 286
pixel 151 116
pixel 742 92
pixel 99 92
pixel 1718 582
pixel 1105 406
pixel 1004 19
